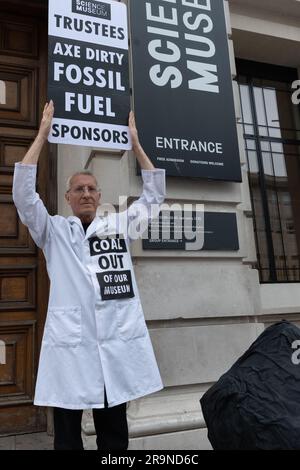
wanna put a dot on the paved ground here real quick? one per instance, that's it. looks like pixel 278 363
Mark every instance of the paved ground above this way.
pixel 36 441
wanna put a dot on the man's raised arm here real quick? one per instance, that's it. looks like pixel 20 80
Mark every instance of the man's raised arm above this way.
pixel 32 156
pixel 154 189
pixel 143 159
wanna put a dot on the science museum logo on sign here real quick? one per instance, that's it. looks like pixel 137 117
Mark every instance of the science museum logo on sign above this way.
pixel 92 8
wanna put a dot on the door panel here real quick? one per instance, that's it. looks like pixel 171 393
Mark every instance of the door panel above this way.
pixel 23 278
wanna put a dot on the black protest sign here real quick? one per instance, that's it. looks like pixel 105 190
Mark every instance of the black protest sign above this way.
pixel 183 88
pixel 88 73
pixel 112 271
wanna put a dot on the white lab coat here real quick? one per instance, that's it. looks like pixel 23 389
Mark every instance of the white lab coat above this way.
pixel 88 341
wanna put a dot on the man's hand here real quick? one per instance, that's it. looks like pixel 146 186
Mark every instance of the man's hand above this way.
pixel 133 132
pixel 143 159
pixel 45 125
pixel 32 156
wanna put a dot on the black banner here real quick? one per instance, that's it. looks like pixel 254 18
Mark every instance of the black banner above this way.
pixel 183 89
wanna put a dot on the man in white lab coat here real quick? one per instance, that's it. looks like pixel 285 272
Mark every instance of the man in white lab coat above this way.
pixel 96 351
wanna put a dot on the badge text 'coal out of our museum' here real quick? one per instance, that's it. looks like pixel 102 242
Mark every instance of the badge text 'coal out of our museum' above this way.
pixel 111 267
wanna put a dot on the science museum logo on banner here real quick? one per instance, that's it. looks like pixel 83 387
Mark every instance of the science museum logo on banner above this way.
pixel 92 8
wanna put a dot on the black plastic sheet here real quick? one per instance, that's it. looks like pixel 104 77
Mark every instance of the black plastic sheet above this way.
pixel 255 405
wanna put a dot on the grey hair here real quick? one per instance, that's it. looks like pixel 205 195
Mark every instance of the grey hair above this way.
pixel 82 172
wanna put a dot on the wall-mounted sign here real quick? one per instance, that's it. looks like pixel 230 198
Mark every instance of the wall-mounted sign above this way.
pixel 181 230
pixel 88 73
pixel 183 89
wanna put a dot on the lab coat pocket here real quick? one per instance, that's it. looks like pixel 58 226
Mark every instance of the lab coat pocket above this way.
pixel 131 322
pixel 63 327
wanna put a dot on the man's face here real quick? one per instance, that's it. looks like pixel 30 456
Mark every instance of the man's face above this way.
pixel 83 197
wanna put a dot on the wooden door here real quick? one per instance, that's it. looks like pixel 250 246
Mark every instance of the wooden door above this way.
pixel 23 279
